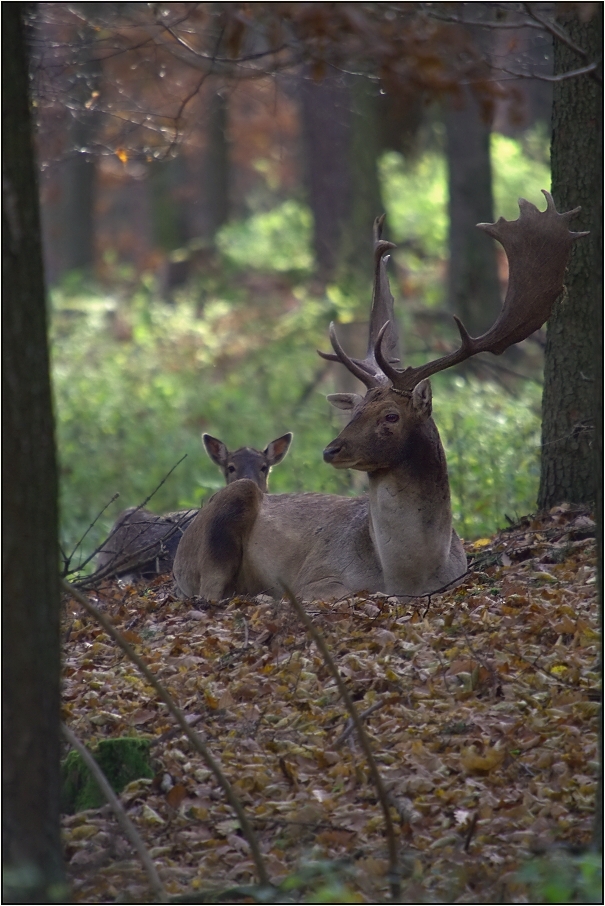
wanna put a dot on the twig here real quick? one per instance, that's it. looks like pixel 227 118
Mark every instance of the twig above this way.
pixel 175 731
pixel 394 873
pixel 562 77
pixel 350 726
pixel 123 820
pixel 133 560
pixel 115 528
pixel 471 831
pixel 67 558
pixel 554 29
pixel 193 738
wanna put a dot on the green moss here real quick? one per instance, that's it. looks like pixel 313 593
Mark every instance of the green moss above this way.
pixel 121 760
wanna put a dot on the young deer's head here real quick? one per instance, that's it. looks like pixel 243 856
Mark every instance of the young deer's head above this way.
pixel 247 462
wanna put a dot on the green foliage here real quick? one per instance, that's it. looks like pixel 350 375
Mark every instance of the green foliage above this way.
pixel 121 760
pixel 415 192
pixel 492 444
pixel 276 240
pixel 565 878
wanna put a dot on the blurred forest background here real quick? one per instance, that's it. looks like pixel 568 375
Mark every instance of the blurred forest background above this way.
pixel 210 173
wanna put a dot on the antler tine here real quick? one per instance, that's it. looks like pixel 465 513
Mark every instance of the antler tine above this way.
pixel 537 245
pixel 361 369
pixel 381 320
pixel 382 302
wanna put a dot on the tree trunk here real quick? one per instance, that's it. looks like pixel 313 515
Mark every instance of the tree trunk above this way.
pixel 30 603
pixel 215 176
pixel 473 289
pixel 78 203
pixel 326 118
pixel 340 127
pixel 573 371
pixel 80 168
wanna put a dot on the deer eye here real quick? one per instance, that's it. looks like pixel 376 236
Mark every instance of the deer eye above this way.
pixel 392 417
pixel 231 468
pixel 263 468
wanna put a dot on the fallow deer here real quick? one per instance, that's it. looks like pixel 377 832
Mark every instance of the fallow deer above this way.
pixel 144 544
pixel 398 539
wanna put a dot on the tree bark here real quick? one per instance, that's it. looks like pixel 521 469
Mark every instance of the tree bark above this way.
pixel 30 603
pixel 326 116
pixel 216 172
pixel 572 397
pixel 342 138
pixel 473 289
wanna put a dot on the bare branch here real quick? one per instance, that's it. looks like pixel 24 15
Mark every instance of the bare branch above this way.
pixel 114 530
pixel 179 717
pixel 554 29
pixel 562 77
pixel 394 872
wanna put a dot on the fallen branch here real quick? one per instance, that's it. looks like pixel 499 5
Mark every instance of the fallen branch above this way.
pixel 123 820
pixel 193 738
pixel 68 560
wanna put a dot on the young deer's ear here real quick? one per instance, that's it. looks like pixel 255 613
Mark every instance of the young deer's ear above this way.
pixel 216 450
pixel 422 398
pixel 277 449
pixel 344 400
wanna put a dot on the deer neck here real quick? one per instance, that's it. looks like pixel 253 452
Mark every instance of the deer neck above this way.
pixel 410 514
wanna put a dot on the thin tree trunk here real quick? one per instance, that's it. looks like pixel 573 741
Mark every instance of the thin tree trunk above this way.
pixel 573 372
pixel 326 117
pixel 216 172
pixel 473 290
pixel 30 602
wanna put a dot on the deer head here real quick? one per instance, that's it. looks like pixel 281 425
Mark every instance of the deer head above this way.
pixel 537 246
pixel 247 462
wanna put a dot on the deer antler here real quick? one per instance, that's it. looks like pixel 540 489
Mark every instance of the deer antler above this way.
pixel 537 246
pixel 383 332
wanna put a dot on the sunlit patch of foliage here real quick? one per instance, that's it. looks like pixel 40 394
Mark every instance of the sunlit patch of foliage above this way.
pixel 276 240
pixel 415 196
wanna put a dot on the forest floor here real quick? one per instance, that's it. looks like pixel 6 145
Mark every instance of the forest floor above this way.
pixel 481 703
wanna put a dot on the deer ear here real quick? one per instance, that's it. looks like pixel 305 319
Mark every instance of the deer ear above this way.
pixel 422 398
pixel 216 449
pixel 344 400
pixel 277 449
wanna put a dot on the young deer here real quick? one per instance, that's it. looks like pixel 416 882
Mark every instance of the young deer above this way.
pixel 399 538
pixel 144 544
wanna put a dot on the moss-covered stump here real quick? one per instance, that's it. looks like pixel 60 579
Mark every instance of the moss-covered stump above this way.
pixel 121 760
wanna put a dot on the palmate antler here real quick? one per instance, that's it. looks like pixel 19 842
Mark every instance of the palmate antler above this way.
pixel 537 246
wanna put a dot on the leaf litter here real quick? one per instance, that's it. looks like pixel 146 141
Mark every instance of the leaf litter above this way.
pixel 482 705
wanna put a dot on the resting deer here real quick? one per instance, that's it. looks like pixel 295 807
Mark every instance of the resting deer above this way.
pixel 142 543
pixel 399 538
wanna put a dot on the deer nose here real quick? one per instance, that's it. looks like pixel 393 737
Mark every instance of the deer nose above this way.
pixel 331 451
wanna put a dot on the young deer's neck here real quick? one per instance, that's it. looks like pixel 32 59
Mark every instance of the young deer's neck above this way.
pixel 410 514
